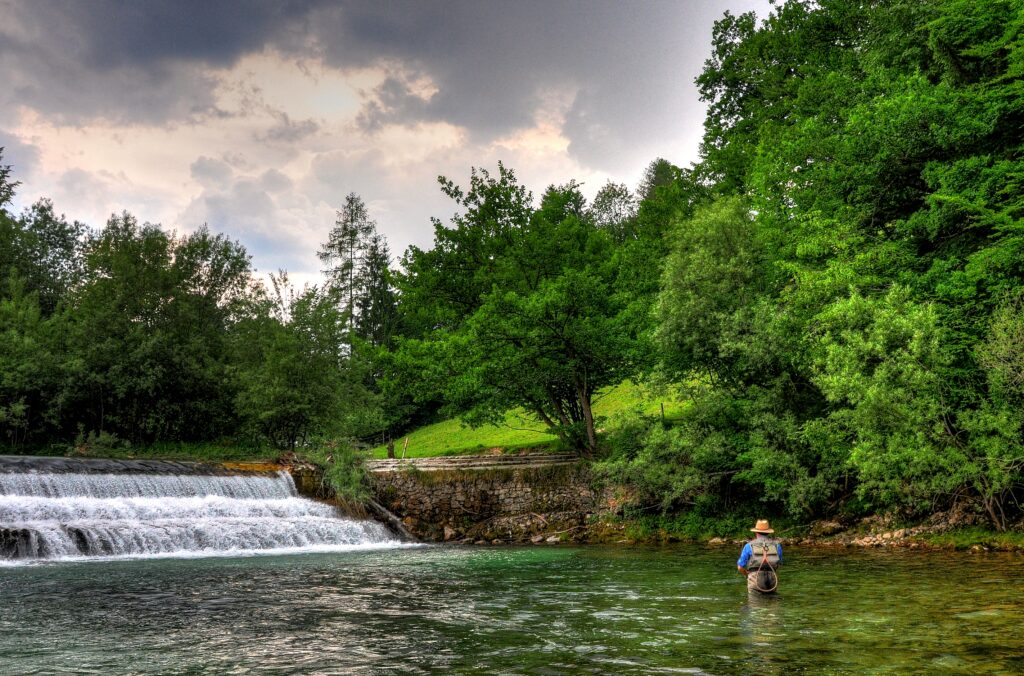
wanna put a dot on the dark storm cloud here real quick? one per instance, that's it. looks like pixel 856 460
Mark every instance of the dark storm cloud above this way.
pixel 127 61
pixel 629 65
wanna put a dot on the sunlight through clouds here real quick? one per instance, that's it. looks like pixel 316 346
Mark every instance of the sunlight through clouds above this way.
pixel 263 135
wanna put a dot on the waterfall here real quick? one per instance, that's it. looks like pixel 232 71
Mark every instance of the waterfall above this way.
pixel 78 511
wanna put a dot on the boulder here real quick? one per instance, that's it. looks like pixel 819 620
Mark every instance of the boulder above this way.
pixel 826 528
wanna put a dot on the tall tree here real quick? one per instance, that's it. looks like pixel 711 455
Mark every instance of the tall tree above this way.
pixel 614 209
pixel 376 301
pixel 344 253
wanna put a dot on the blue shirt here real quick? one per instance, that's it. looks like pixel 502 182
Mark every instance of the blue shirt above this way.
pixel 748 552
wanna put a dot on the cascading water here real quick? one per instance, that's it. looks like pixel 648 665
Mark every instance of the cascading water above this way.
pixel 48 515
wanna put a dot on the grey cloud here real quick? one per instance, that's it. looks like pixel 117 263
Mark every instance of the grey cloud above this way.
pixel 77 186
pixel 393 100
pixel 127 61
pixel 208 171
pixel 20 156
pixel 247 211
pixel 273 181
pixel 287 130
pixel 632 64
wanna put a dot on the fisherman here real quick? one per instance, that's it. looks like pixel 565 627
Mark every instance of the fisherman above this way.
pixel 760 558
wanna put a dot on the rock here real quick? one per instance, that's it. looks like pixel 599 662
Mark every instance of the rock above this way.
pixel 449 533
pixel 537 539
pixel 554 539
pixel 480 542
pixel 495 541
pixel 717 541
pixel 826 528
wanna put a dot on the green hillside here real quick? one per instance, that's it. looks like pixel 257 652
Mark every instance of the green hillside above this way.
pixel 452 437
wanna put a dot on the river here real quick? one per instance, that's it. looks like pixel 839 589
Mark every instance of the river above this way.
pixel 539 610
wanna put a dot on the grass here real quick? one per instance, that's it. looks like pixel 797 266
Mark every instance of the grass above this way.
pixel 449 437
pixel 452 437
pixel 965 538
pixel 189 452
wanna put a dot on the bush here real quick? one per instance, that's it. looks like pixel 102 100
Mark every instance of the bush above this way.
pixel 344 464
pixel 97 444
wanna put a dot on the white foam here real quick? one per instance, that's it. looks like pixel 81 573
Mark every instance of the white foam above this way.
pixel 78 516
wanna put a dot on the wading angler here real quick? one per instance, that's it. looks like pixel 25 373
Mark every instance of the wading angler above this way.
pixel 760 560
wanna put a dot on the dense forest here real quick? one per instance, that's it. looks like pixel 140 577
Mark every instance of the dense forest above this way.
pixel 835 288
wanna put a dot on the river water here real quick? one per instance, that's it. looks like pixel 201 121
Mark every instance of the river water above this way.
pixel 540 610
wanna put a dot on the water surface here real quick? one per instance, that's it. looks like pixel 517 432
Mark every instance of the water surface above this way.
pixel 540 610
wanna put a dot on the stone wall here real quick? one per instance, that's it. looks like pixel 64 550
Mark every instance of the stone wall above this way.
pixel 537 504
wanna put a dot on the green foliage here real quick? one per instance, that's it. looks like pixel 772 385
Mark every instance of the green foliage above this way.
pixel 518 431
pixel 137 334
pixel 543 328
pixel 294 380
pixel 848 319
pixel 7 185
pixel 344 465
pixel 99 445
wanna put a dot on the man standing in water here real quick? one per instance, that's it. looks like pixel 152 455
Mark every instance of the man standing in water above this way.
pixel 759 559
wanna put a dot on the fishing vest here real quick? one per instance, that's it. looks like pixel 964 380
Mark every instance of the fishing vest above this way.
pixel 758 550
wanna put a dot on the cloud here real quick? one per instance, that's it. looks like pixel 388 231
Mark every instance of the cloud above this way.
pixel 210 172
pixel 22 157
pixel 288 131
pixel 258 118
pixel 274 227
pixel 486 62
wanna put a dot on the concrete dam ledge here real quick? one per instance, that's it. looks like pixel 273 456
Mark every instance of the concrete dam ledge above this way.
pixel 452 462
pixel 15 464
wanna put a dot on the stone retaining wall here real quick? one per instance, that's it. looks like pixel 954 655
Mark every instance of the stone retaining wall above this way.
pixel 513 504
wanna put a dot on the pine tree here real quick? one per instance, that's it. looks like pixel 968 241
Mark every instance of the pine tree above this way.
pixel 376 303
pixel 344 254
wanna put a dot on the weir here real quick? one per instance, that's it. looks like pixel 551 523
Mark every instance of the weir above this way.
pixel 67 508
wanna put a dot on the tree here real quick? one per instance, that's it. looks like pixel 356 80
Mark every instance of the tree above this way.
pixel 344 253
pixel 659 173
pixel 376 302
pixel 542 327
pixel 549 352
pixel 7 186
pixel 148 328
pixel 53 264
pixel 441 286
pixel 296 379
pixel 614 209
pixel 31 367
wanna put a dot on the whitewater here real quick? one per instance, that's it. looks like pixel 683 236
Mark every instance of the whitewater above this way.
pixel 71 515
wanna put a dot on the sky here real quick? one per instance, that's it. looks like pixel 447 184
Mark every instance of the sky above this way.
pixel 257 118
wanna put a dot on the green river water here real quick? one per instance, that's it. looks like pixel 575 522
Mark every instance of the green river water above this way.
pixel 540 610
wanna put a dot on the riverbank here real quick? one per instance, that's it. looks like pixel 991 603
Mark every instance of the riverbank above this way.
pixel 952 530
pixel 598 519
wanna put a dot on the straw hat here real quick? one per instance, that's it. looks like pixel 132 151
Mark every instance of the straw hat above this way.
pixel 762 527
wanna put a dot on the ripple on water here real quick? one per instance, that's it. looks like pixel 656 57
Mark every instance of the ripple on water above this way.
pixel 533 610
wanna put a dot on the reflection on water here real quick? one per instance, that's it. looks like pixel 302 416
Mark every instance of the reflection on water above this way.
pixel 529 611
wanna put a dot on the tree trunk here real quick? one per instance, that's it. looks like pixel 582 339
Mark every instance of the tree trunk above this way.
pixel 588 419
